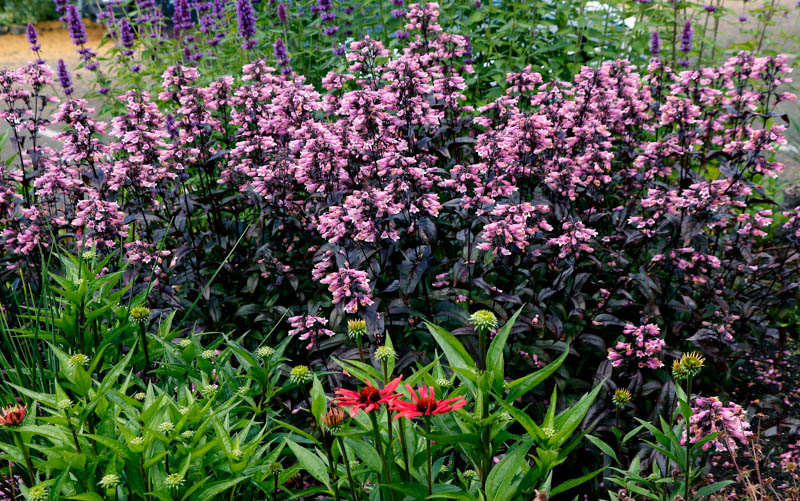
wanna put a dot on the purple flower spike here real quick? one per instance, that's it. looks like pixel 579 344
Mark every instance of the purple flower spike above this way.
pixel 126 36
pixel 77 31
pixel 686 37
pixel 182 17
pixel 282 17
pixel 33 38
pixel 246 19
pixel 63 77
pixel 655 44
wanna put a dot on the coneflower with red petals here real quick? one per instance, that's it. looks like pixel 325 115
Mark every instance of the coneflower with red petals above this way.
pixel 425 404
pixel 369 398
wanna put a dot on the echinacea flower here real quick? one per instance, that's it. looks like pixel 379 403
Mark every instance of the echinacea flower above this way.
pixel 174 481
pixel 692 363
pixel 140 314
pixel 621 397
pixel 12 415
pixel 385 353
pixel 301 374
pixel 109 481
pixel 425 404
pixel 78 360
pixel 37 493
pixel 368 398
pixel 265 352
pixel 356 328
pixel 483 320
pixel 332 420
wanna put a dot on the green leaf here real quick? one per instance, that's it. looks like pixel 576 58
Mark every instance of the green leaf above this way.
pixel 310 462
pixel 318 401
pixel 366 453
pixel 499 482
pixel 454 351
pixel 211 491
pixel 708 490
pixel 494 357
pixel 607 449
pixel 523 385
pixel 569 420
pixel 569 484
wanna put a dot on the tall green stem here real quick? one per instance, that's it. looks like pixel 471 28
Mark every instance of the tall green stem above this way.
pixel 332 469
pixel 688 441
pixel 428 451
pixel 379 446
pixel 27 456
pixel 404 448
pixel 143 334
pixel 347 468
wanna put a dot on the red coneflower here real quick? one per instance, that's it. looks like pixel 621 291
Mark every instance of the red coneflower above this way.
pixel 425 404
pixel 369 398
pixel 12 415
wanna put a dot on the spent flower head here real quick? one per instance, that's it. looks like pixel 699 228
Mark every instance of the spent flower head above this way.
pixel 301 374
pixel 12 415
pixel 333 419
pixel 483 320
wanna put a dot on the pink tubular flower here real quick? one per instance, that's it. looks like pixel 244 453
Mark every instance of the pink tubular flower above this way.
pixel 644 349
pixel 350 289
pixel 309 327
pixel 424 404
pixel 709 415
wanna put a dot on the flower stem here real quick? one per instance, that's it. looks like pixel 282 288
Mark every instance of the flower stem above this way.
pixel 379 447
pixel 428 450
pixel 332 468
pixel 404 448
pixel 72 429
pixel 27 455
pixel 347 468
pixel 688 441
pixel 143 333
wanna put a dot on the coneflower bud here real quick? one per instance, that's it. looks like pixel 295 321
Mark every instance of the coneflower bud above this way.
pixel 173 481
pixel 78 360
pixel 265 352
pixel 385 353
pixel 276 468
pixel 621 397
pixel 655 43
pixel 483 320
pixel 356 328
pixel 77 31
pixel 33 38
pixel 692 363
pixel 301 375
pixel 140 315
pixel 37 493
pixel 109 481
pixel 282 17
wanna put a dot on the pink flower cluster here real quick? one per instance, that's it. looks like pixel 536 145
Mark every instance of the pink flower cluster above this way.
pixel 309 327
pixel 643 350
pixel 709 416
